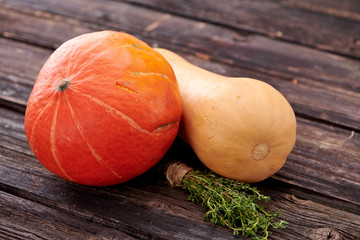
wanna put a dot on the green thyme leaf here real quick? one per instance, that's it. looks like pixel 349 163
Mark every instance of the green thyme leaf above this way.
pixel 231 204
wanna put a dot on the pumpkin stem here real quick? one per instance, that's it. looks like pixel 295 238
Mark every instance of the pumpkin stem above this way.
pixel 64 84
pixel 260 151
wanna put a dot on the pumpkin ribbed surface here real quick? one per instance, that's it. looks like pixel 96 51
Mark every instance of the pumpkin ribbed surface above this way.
pixel 104 109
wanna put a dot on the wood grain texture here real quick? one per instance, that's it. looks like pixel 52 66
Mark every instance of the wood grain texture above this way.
pixel 308 97
pixel 312 165
pixel 307 77
pixel 25 220
pixel 325 160
pixel 326 222
pixel 146 205
pixel 143 214
pixel 327 25
pixel 308 50
pixel 317 145
pixel 349 9
pixel 19 66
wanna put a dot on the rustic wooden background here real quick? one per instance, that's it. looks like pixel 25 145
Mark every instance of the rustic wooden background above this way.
pixel 308 49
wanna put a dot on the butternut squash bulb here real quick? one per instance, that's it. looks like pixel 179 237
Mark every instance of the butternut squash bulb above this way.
pixel 240 128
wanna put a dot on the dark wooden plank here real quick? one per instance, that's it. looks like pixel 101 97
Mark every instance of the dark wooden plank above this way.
pixel 311 220
pixel 147 207
pixel 19 62
pixel 57 28
pixel 158 27
pixel 138 213
pixel 290 90
pixel 132 208
pixel 336 29
pixel 306 98
pixel 324 160
pixel 19 66
pixel 24 219
pixel 13 103
pixel 349 9
pixel 316 73
pixel 321 90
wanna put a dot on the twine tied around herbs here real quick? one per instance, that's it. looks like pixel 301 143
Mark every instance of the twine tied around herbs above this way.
pixel 228 203
pixel 176 172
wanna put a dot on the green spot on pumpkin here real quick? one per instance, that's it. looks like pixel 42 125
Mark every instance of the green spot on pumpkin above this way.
pixel 64 84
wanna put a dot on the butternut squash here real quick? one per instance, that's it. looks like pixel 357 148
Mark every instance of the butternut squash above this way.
pixel 240 128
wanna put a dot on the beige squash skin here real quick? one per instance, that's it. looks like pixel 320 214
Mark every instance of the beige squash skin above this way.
pixel 240 128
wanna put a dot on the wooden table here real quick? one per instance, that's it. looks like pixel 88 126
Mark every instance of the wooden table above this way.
pixel 307 49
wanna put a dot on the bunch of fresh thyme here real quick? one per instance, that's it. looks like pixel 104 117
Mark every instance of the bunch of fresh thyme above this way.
pixel 229 203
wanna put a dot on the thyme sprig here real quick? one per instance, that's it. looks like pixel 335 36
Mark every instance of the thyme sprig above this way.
pixel 231 204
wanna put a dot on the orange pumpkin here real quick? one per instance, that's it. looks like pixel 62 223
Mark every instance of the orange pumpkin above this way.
pixel 105 108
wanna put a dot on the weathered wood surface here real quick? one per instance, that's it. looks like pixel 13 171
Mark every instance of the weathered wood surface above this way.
pixel 310 140
pixel 306 22
pixel 316 73
pixel 146 207
pixel 17 222
pixel 308 50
